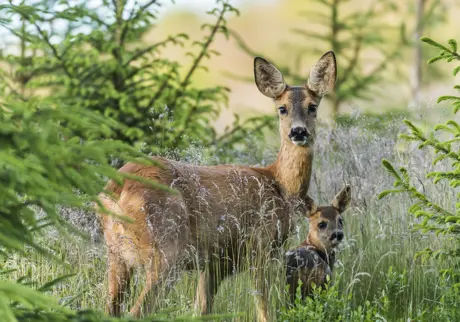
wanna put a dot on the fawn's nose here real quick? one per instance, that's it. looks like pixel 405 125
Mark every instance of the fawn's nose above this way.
pixel 338 235
pixel 298 133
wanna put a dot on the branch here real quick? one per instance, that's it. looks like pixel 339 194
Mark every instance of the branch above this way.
pixel 242 126
pixel 161 89
pixel 202 54
pixel 242 44
pixel 188 118
pixel 353 61
pixel 12 89
pixel 53 49
pixel 142 52
pixel 133 18
pixel 204 49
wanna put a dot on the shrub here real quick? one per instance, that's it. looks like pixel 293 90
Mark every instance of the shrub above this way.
pixel 329 305
pixel 48 158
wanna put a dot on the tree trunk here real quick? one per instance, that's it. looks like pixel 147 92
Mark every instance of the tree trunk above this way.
pixel 417 67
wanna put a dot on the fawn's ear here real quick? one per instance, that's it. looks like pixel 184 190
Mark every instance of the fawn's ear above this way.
pixel 269 79
pixel 310 206
pixel 342 200
pixel 323 74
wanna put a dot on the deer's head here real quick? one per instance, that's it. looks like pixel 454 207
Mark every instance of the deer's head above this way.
pixel 326 222
pixel 297 105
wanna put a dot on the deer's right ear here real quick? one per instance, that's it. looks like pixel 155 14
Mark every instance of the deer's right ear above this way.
pixel 310 206
pixel 269 79
pixel 323 74
pixel 342 200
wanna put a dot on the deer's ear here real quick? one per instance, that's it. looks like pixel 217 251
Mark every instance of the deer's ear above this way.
pixel 269 79
pixel 311 206
pixel 323 74
pixel 342 200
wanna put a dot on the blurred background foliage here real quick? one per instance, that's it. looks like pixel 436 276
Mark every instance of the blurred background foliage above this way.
pixel 88 85
pixel 176 75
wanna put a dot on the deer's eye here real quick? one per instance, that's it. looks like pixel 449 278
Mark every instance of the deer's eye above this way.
pixel 322 225
pixel 283 110
pixel 312 108
pixel 340 222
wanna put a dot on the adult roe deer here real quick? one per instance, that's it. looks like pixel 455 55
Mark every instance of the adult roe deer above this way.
pixel 217 208
pixel 313 260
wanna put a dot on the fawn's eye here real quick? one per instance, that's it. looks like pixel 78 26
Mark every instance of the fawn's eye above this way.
pixel 322 225
pixel 312 108
pixel 283 110
pixel 340 222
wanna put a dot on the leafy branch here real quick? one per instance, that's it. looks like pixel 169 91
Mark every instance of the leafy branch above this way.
pixel 445 145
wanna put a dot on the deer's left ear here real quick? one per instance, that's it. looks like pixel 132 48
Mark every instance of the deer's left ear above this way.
pixel 323 74
pixel 342 200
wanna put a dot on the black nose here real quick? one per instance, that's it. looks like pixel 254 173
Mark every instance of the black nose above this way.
pixel 339 236
pixel 298 132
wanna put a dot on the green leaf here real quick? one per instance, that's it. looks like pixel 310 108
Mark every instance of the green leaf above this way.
pixel 448 98
pixel 453 45
pixel 435 59
pixel 433 43
pixel 455 72
pixel 47 286
pixel 383 194
pixel 389 167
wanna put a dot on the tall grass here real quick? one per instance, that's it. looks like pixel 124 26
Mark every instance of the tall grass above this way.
pixel 376 261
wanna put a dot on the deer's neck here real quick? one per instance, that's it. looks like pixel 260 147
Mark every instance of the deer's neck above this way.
pixel 292 169
pixel 328 255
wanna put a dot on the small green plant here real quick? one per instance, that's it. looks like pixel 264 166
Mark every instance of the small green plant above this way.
pixel 444 140
pixel 329 304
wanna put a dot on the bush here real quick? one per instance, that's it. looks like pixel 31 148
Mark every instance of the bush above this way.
pixel 49 158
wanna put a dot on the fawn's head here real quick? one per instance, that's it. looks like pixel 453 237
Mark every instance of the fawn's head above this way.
pixel 326 223
pixel 297 105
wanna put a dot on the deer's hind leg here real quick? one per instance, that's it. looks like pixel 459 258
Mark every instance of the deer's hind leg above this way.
pixel 208 284
pixel 119 277
pixel 166 237
pixel 210 279
pixel 118 273
pixel 153 271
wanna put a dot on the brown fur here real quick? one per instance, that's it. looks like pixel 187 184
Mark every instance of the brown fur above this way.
pixel 217 210
pixel 313 260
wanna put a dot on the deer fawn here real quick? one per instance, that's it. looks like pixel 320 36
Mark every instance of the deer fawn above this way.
pixel 217 209
pixel 313 260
